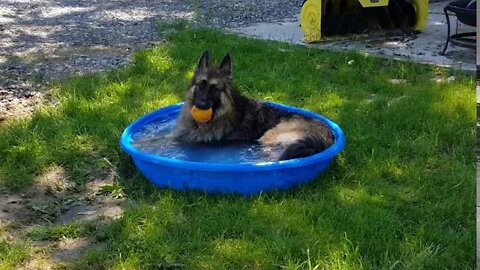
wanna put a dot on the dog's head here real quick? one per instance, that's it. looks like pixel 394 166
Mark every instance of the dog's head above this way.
pixel 210 86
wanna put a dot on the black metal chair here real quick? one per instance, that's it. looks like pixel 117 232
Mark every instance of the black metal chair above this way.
pixel 465 11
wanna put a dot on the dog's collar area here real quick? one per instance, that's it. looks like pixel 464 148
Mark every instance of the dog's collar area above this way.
pixel 203 124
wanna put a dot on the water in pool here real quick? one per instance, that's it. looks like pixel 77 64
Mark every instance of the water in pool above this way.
pixel 152 138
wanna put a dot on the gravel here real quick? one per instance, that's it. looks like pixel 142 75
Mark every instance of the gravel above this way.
pixel 45 40
pixel 232 14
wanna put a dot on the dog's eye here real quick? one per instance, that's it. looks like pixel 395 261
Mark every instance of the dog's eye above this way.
pixel 215 87
pixel 202 84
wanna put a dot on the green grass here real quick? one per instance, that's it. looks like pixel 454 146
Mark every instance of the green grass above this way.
pixel 400 196
pixel 57 232
pixel 11 254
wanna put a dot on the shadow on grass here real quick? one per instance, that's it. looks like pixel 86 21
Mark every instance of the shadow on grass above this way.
pixel 390 199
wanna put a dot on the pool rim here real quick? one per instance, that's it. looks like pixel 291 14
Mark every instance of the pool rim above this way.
pixel 327 154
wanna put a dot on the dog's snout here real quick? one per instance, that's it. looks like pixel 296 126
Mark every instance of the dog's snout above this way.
pixel 202 104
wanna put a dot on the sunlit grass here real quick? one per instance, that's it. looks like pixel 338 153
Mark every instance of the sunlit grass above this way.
pixel 12 254
pixel 400 196
pixel 58 232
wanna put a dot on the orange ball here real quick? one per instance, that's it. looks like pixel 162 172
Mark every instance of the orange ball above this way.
pixel 201 115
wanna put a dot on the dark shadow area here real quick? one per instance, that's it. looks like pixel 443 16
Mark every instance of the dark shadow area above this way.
pixel 341 17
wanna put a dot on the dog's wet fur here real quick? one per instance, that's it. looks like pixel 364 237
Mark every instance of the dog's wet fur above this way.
pixel 239 118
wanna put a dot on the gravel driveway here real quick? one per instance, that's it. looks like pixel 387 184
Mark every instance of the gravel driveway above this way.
pixel 44 40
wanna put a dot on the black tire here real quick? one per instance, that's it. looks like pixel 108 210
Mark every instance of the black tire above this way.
pixel 396 14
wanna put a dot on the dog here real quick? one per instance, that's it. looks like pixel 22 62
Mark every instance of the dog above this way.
pixel 237 118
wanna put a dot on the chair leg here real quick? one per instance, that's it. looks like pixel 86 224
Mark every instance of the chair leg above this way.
pixel 448 32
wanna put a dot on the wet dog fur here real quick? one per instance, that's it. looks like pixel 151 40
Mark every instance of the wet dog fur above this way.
pixel 239 118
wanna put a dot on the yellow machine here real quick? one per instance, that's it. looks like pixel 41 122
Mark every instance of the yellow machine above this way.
pixel 335 17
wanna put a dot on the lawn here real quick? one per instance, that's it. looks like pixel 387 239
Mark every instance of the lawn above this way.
pixel 400 196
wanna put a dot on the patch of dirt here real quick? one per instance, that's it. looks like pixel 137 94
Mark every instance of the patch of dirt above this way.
pixel 39 263
pixel 17 104
pixel 84 210
pixel 69 249
pixel 54 200
pixel 35 205
pixel 57 255
pixel 94 204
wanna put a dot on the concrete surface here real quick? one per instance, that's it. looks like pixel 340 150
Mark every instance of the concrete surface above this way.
pixel 424 47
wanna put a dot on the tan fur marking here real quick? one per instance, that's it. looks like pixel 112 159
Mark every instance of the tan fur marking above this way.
pixel 287 132
pixel 226 102
pixel 200 78
pixel 213 81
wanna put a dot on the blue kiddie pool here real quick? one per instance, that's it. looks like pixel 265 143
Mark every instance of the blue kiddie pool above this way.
pixel 243 178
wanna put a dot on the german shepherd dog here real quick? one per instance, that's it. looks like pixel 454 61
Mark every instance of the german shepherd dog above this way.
pixel 238 118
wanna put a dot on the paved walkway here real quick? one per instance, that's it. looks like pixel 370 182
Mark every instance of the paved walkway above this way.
pixel 424 47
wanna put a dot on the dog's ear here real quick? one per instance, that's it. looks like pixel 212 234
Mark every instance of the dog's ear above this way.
pixel 226 65
pixel 203 62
